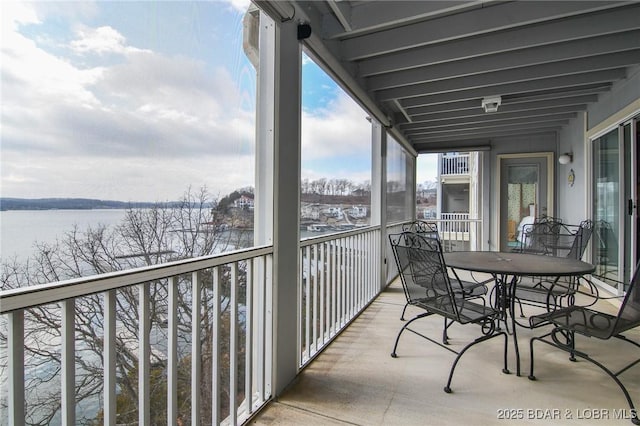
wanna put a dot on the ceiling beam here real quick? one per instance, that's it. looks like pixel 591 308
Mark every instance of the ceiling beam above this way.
pixel 481 124
pixel 378 15
pixel 342 13
pixel 492 120
pixel 495 78
pixel 492 132
pixel 587 26
pixel 465 24
pixel 589 78
pixel 575 104
pixel 510 100
pixel 578 49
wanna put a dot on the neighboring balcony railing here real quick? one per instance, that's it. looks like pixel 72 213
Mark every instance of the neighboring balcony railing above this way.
pixel 458 165
pixel 340 275
pixel 199 330
pixel 458 232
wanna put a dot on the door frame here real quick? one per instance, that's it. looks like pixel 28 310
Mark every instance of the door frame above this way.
pixel 629 114
pixel 497 185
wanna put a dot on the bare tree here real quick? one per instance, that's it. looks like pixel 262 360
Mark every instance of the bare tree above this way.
pixel 145 237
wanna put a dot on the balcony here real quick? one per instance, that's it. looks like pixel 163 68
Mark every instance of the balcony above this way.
pixel 309 324
pixel 455 165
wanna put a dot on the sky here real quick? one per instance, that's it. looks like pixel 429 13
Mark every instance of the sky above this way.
pixel 138 101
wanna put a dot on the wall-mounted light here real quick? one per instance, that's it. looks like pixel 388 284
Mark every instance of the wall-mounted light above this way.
pixel 565 158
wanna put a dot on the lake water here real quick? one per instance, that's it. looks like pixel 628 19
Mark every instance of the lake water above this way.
pixel 21 229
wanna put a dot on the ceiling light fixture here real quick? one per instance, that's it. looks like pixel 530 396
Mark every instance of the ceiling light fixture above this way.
pixel 491 103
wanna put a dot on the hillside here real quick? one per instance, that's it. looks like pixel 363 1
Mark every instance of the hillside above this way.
pixel 67 204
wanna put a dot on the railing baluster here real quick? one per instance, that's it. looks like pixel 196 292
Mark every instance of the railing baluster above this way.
pixel 314 318
pixel 109 368
pixel 16 368
pixel 68 364
pixel 215 356
pixel 334 292
pixel 144 389
pixel 196 348
pixel 260 326
pixel 248 320
pixel 321 324
pixel 307 302
pixel 268 319
pixel 233 346
pixel 172 352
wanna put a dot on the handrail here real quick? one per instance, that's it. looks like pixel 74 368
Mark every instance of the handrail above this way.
pixel 41 294
pixel 337 235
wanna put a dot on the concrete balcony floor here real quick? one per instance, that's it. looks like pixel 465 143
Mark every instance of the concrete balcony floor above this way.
pixel 355 381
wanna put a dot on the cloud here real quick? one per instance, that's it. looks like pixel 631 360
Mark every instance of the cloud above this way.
pixel 240 5
pixel 100 40
pixel 143 127
pixel 341 129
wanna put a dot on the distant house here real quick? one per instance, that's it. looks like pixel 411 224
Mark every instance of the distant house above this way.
pixel 310 212
pixel 335 212
pixel 244 202
pixel 358 212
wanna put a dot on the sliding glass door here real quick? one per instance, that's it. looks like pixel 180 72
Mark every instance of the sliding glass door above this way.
pixel 615 204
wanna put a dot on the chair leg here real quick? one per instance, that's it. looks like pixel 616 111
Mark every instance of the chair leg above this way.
pixel 445 337
pixel 395 346
pixel 403 311
pixel 505 370
pixel 614 376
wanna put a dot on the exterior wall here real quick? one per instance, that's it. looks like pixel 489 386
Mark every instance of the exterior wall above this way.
pixel 622 94
pixel 571 203
pixel 624 97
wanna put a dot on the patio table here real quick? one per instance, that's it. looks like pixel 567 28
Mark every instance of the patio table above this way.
pixel 506 268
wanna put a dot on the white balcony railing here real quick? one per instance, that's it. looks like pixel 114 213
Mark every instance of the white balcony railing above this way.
pixel 458 165
pixel 216 323
pixel 225 339
pixel 458 232
pixel 340 276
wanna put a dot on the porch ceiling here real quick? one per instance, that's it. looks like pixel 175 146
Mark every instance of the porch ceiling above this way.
pixel 425 66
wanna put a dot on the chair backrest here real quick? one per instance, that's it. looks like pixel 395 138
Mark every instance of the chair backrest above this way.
pixel 541 236
pixel 629 313
pixel 583 235
pixel 423 272
pixel 430 229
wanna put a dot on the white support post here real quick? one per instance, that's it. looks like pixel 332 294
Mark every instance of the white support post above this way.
pixel 379 193
pixel 286 188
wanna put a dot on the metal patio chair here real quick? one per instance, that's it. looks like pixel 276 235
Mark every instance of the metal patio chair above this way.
pixel 564 240
pixel 427 286
pixel 572 320
pixel 468 289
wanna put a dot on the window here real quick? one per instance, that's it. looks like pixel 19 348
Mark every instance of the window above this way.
pixel 336 156
pixel 400 183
